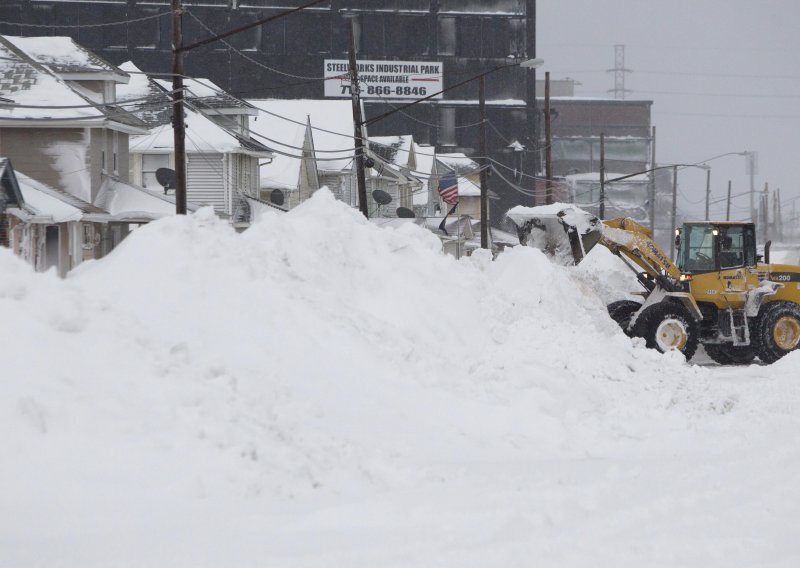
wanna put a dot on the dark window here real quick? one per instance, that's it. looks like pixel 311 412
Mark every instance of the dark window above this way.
pixel 410 32
pixel 372 37
pixel 483 37
pixel 274 38
pixel 147 34
pixel 447 36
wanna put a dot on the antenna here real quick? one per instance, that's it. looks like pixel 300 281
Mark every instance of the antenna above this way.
pixel 405 213
pixel 167 178
pixel 619 71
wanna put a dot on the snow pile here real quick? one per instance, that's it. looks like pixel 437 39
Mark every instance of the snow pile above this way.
pixel 318 391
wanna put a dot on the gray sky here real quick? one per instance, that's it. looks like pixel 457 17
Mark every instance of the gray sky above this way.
pixel 724 76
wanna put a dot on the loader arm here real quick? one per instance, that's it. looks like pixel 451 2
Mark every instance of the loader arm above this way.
pixel 625 237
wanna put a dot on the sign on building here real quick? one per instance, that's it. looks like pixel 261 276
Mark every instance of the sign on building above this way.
pixel 385 79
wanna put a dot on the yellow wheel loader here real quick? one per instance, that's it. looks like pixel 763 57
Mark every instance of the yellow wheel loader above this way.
pixel 718 293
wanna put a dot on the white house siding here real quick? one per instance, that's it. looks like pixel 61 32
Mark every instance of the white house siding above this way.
pixel 205 181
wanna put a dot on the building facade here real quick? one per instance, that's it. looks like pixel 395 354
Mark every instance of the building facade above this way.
pixel 285 58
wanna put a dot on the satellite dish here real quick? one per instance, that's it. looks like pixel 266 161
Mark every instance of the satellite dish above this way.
pixel 381 197
pixel 276 197
pixel 405 213
pixel 167 178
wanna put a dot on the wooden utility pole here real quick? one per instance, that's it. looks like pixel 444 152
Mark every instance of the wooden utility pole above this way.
pixel 708 192
pixel 602 176
pixel 674 210
pixel 728 212
pixel 484 165
pixel 179 135
pixel 653 183
pixel 765 210
pixel 779 215
pixel 357 123
pixel 548 133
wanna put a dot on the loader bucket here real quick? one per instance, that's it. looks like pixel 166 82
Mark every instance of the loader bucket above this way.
pixel 562 231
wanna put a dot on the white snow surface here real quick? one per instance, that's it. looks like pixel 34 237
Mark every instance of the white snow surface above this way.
pixel 319 391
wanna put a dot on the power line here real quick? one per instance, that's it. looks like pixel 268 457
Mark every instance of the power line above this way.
pixel 81 26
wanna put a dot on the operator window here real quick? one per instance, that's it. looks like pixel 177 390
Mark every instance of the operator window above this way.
pixel 699 248
pixel 731 247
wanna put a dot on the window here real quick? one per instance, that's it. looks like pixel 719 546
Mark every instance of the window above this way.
pixel 447 36
pixel 147 33
pixel 698 249
pixel 731 247
pixel 150 163
pixel 413 32
pixel 447 126
pixel 115 152
pixel 274 38
pixel 483 37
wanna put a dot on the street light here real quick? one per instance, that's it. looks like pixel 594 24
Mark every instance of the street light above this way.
pixel 526 64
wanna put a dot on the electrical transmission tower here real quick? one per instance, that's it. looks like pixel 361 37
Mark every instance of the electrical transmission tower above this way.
pixel 619 71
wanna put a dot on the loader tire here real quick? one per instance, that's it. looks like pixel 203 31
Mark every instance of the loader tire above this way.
pixel 731 354
pixel 777 330
pixel 622 311
pixel 668 326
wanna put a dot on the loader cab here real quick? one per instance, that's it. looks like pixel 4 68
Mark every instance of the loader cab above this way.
pixel 712 247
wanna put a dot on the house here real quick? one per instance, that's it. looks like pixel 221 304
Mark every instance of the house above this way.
pixel 222 159
pixel 50 228
pixel 59 121
pixel 393 172
pixel 10 196
pixel 313 146
pixel 427 197
pixel 469 189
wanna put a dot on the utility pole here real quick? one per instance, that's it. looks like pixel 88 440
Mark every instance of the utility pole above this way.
pixel 179 135
pixel 779 216
pixel 765 210
pixel 484 165
pixel 752 163
pixel 728 212
pixel 708 192
pixel 674 210
pixel 357 123
pixel 602 176
pixel 653 183
pixel 548 133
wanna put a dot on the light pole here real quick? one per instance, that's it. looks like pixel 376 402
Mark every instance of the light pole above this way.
pixel 527 64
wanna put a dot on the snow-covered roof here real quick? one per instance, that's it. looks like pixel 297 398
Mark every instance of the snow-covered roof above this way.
pixel 52 205
pixel 126 201
pixel 394 149
pixel 31 91
pixel 205 94
pixel 66 58
pixel 457 161
pixel 203 136
pixel 153 105
pixel 331 129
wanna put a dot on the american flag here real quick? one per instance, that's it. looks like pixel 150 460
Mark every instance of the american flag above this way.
pixel 448 188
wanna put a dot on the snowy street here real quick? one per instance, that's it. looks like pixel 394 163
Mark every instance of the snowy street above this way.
pixel 318 391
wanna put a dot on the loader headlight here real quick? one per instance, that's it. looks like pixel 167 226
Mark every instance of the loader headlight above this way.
pixel 685 278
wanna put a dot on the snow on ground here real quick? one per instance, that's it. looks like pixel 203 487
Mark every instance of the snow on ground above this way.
pixel 318 391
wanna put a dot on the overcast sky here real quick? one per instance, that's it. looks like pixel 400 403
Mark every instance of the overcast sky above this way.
pixel 724 76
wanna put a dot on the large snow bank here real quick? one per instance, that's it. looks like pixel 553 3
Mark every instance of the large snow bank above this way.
pixel 318 391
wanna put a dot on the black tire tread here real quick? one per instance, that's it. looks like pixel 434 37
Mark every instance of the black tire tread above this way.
pixel 762 339
pixel 652 316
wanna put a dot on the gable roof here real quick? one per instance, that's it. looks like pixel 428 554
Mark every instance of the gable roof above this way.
pixel 128 202
pixel 68 59
pixel 203 136
pixel 153 105
pixel 50 205
pixel 206 95
pixel 394 149
pixel 10 193
pixel 331 128
pixel 31 91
